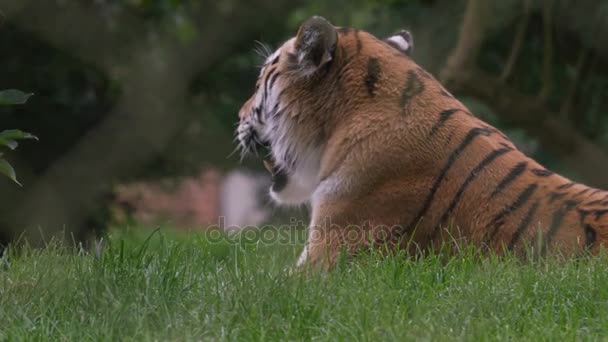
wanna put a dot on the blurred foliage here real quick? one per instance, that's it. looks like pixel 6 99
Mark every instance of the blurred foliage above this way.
pixel 8 138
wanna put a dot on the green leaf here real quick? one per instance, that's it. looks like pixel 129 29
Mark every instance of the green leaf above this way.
pixel 13 96
pixel 7 170
pixel 8 137
pixel 12 144
pixel 15 134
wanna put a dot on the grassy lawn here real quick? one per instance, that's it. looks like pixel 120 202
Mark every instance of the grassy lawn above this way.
pixel 166 286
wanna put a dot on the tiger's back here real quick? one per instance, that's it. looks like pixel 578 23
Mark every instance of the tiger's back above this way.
pixel 384 154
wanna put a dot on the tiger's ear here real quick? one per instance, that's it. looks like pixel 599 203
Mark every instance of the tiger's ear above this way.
pixel 402 41
pixel 315 44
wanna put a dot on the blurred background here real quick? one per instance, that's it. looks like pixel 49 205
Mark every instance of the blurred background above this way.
pixel 136 101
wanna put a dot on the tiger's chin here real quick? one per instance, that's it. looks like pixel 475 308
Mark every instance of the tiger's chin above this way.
pixel 286 189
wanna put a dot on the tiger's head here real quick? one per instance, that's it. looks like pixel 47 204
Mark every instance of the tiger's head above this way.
pixel 305 88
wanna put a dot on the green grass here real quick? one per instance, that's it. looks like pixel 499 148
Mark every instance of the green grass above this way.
pixel 167 286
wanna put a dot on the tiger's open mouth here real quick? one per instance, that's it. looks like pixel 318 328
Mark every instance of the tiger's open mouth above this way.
pixel 278 175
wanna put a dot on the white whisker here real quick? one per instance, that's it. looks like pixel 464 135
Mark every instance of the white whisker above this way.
pixel 262 49
pixel 236 149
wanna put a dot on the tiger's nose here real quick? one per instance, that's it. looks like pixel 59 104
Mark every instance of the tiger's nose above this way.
pixel 245 109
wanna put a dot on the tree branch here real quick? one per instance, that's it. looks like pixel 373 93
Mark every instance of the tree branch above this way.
pixel 518 41
pixel 547 75
pixel 568 103
pixel 470 39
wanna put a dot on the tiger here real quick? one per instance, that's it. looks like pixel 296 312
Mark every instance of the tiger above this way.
pixel 384 155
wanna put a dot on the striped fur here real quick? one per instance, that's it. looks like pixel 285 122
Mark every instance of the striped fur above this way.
pixel 385 155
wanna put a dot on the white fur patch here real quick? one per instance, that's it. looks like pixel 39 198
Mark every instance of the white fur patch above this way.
pixel 278 130
pixel 302 180
pixel 402 44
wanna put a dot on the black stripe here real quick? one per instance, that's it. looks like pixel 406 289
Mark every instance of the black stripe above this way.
pixel 474 132
pixel 595 192
pixel 590 236
pixel 554 196
pixel 413 87
pixel 443 117
pixel 515 172
pixel 499 219
pixel 556 222
pixel 566 186
pixel 523 225
pixel 274 78
pixel 472 175
pixel 583 214
pixel 359 43
pixel 275 110
pixel 582 192
pixel 593 202
pixel 257 114
pixel 373 74
pixel 599 213
pixel 268 77
pixel 542 172
pixel 276 59
pixel 588 231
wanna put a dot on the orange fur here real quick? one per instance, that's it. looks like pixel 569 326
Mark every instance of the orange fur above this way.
pixel 401 159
